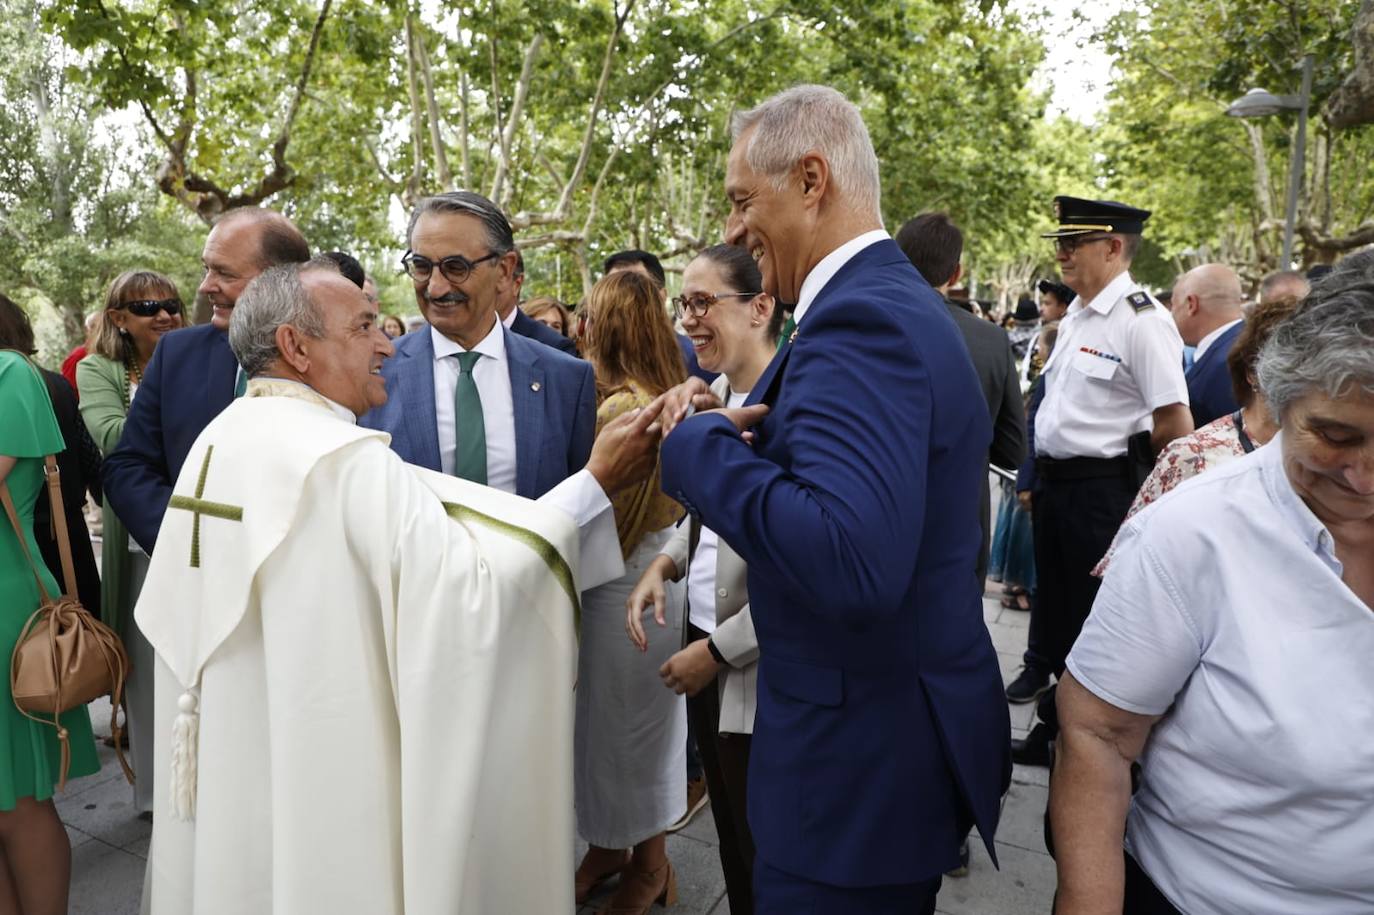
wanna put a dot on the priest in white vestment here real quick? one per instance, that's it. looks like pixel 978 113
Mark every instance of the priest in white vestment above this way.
pixel 365 669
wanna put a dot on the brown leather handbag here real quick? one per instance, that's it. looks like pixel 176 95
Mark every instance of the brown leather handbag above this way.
pixel 64 656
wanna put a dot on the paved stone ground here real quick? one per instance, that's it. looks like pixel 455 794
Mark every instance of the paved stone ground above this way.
pixel 110 844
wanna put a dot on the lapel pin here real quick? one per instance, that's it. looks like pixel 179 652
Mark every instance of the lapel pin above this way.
pixel 534 385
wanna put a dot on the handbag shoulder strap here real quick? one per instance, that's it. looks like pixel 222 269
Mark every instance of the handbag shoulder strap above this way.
pixel 23 541
pixel 59 520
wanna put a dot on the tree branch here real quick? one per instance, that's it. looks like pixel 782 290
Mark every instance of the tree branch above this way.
pixel 417 169
pixel 464 127
pixel 564 207
pixel 436 138
pixel 522 89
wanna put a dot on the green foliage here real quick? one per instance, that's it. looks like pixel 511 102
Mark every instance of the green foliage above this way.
pixel 942 84
pixel 1168 146
pixel 75 204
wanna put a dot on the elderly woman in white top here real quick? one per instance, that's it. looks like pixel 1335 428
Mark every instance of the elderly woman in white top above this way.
pixel 734 329
pixel 1230 652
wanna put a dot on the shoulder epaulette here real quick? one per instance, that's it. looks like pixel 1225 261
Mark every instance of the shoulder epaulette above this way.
pixel 1140 301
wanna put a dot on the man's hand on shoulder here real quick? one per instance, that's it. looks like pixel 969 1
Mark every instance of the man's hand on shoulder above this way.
pixel 627 448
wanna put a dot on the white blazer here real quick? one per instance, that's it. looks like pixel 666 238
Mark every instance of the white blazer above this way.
pixel 734 637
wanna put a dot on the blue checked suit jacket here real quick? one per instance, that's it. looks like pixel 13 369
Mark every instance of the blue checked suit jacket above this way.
pixel 554 424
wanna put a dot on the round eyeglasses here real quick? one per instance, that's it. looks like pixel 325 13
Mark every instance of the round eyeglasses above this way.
pixel 455 268
pixel 698 303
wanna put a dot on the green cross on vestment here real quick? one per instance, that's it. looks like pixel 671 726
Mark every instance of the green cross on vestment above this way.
pixel 198 506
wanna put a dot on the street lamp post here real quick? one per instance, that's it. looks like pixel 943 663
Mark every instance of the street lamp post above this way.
pixel 1257 103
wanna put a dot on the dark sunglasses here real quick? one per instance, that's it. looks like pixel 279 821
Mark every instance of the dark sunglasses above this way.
pixel 455 267
pixel 146 308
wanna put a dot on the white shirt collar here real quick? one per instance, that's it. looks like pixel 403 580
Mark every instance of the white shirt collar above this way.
pixel 509 319
pixel 830 265
pixel 1110 294
pixel 493 344
pixel 1212 338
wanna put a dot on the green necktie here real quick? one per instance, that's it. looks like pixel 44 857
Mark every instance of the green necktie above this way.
pixel 470 457
pixel 789 327
pixel 240 383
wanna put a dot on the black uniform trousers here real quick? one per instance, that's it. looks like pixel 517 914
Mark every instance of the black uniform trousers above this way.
pixel 725 762
pixel 1079 504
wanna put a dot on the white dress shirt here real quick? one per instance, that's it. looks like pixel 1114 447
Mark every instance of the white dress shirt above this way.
pixel 1111 368
pixel 1211 338
pixel 825 270
pixel 701 574
pixel 1224 611
pixel 492 377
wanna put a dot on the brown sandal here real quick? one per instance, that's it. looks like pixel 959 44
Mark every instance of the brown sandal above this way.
pixel 584 885
pixel 641 890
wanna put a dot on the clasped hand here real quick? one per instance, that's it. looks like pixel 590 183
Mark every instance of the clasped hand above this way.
pixel 693 396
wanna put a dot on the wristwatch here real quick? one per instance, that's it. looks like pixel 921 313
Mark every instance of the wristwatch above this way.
pixel 715 652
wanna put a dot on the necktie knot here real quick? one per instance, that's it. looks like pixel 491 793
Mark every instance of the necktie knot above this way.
pixel 466 361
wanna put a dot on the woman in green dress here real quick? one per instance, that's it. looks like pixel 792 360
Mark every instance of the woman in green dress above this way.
pixel 140 307
pixel 37 853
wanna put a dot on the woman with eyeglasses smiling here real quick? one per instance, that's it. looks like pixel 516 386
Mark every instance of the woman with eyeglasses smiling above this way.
pixel 734 330
pixel 140 307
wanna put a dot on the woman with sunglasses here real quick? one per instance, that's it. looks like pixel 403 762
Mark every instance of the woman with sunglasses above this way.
pixel 140 307
pixel 734 329
pixel 629 746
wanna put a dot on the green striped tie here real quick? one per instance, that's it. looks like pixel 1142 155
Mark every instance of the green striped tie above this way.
pixel 789 327
pixel 470 456
pixel 240 383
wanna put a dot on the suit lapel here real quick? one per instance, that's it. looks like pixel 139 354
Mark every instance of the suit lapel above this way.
pixel 527 393
pixel 417 392
pixel 221 371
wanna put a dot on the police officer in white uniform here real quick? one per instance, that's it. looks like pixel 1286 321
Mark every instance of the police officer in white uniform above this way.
pixel 1114 397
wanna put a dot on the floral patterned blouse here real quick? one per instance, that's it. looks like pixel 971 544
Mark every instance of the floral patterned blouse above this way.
pixel 1216 443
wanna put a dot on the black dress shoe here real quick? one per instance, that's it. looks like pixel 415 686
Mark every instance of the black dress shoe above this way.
pixel 1029 685
pixel 1034 750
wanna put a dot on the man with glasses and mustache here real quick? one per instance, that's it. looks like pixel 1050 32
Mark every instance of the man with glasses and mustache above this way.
pixel 466 396
pixel 193 374
pixel 1114 397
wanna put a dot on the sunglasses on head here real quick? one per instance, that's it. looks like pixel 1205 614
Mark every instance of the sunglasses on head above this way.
pixel 146 308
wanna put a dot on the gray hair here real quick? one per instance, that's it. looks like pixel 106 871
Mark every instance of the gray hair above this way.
pixel 273 298
pixel 500 239
pixel 807 119
pixel 1328 343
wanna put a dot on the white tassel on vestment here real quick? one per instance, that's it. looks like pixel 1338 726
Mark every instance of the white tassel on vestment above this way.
pixel 185 737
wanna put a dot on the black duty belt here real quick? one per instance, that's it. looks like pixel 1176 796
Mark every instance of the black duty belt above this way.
pixel 1082 468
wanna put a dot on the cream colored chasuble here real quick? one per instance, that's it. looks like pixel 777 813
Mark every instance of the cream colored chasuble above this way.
pixel 364 681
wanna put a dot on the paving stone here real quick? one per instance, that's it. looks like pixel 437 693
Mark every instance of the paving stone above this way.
pixel 1024 885
pixel 1023 817
pixel 1008 639
pixel 105 881
pixel 1031 775
pixel 106 812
